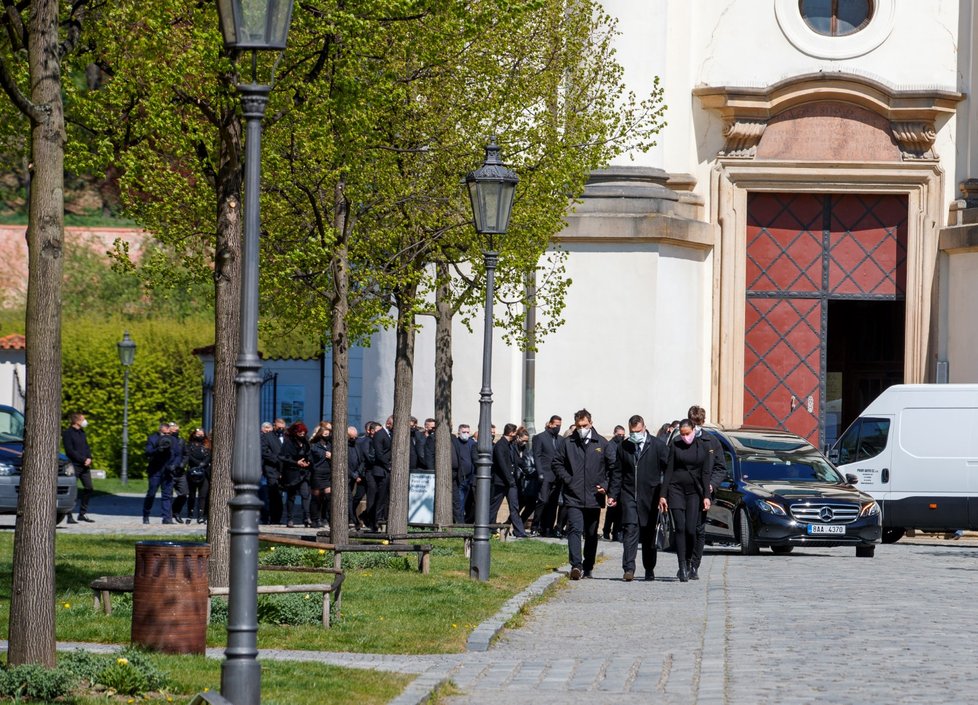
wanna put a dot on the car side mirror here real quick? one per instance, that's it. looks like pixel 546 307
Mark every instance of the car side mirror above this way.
pixel 851 478
pixel 834 455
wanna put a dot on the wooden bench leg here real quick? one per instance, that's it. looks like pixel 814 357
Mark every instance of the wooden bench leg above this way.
pixel 325 610
pixel 106 601
pixel 424 564
pixel 467 547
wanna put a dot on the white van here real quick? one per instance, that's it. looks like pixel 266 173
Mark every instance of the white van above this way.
pixel 915 450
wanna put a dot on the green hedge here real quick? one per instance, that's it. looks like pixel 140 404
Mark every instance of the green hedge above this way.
pixel 165 382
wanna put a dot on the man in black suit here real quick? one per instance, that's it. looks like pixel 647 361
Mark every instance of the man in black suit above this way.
pixel 377 503
pixel 271 446
pixel 636 480
pixel 544 448
pixel 504 480
pixel 463 471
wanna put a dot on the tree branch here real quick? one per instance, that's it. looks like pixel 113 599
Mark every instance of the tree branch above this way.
pixel 36 113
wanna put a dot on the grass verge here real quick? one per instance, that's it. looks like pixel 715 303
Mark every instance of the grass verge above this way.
pixel 390 608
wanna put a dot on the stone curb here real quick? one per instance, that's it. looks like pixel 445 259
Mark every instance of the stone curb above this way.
pixel 482 636
pixel 420 689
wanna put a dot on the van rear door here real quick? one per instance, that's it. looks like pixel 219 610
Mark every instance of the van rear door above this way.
pixel 865 450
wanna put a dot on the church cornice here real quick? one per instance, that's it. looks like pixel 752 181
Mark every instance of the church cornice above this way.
pixel 911 112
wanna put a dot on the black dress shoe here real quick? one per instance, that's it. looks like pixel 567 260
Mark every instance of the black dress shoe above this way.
pixel 587 574
pixel 145 520
pixel 693 573
pixel 168 521
pixel 71 519
pixel 85 517
pixel 649 576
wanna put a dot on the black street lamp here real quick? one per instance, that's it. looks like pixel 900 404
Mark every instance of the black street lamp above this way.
pixel 491 188
pixel 248 25
pixel 127 353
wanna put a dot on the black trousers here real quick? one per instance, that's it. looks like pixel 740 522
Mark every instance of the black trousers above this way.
pixel 301 491
pixel 85 478
pixel 546 510
pixel 685 509
pixel 511 494
pixel 644 534
pixel 275 506
pixel 198 499
pixel 612 521
pixel 357 492
pixel 376 509
pixel 582 523
pixel 700 544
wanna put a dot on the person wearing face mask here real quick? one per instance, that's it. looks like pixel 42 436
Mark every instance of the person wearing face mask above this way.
pixel 718 472
pixel 76 448
pixel 527 480
pixel 271 447
pixel 321 475
pixel 580 463
pixel 612 515
pixel 197 458
pixel 463 471
pixel 544 448
pixel 636 481
pixel 356 461
pixel 687 489
pixel 504 473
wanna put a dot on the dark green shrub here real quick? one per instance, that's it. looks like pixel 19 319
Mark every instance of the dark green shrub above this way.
pixel 294 609
pixel 35 682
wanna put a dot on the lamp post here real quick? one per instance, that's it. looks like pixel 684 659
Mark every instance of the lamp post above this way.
pixel 248 26
pixel 491 188
pixel 127 353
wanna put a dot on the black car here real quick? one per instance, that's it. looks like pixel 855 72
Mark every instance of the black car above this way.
pixel 11 456
pixel 780 492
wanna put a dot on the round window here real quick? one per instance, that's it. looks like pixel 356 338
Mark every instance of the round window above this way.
pixel 836 18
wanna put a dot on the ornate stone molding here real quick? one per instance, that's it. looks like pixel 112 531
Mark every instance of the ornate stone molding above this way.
pixel 742 137
pixel 916 139
pixel 913 113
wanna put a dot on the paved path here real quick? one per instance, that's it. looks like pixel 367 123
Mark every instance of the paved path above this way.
pixel 816 626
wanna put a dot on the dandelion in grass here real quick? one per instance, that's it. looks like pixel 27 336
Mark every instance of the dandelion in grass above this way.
pixel 322 551
pixel 67 605
pixel 272 549
pixel 454 626
pixel 122 661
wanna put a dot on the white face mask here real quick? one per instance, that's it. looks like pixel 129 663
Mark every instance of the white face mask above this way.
pixel 84 423
pixel 464 435
pixel 584 432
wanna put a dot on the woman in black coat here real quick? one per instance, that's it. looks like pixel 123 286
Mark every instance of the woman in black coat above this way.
pixel 294 466
pixel 687 489
pixel 321 454
pixel 198 460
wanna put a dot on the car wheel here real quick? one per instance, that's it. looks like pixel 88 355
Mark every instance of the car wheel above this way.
pixel 782 549
pixel 865 551
pixel 748 546
pixel 893 534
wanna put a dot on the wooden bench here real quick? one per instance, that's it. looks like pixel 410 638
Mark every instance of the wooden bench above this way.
pixel 423 550
pixel 104 587
pixel 466 537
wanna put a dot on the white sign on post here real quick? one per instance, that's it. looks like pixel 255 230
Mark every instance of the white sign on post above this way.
pixel 421 498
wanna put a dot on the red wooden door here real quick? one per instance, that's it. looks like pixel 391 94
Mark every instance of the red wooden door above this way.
pixel 802 250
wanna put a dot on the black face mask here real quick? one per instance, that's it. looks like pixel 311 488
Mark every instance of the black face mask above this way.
pixel 555 431
pixel 198 439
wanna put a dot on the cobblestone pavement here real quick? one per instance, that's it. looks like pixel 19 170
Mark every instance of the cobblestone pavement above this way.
pixel 816 626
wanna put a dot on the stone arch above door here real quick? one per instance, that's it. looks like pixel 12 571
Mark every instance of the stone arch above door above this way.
pixel 829 117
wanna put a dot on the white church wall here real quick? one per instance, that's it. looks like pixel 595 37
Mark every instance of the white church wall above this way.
pixel 962 333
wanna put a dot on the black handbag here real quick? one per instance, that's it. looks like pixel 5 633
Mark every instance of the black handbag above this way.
pixel 663 531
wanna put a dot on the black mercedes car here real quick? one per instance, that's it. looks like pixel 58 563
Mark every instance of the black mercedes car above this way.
pixel 780 492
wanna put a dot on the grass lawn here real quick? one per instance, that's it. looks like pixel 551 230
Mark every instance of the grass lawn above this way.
pixel 388 609
pixel 113 485
pixel 282 683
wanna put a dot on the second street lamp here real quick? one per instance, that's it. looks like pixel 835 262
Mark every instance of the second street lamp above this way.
pixel 491 188
pixel 248 26
pixel 127 354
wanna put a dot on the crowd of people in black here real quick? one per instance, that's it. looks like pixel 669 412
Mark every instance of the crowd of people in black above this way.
pixel 555 485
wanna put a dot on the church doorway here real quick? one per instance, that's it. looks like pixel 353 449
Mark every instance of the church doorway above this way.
pixel 825 314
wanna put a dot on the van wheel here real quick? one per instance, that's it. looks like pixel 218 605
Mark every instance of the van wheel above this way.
pixel 784 550
pixel 865 551
pixel 893 534
pixel 748 546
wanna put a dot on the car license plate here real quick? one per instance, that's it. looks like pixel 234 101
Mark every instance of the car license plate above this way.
pixel 826 529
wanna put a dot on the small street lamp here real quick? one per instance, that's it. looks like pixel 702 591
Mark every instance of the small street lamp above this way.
pixel 127 354
pixel 491 188
pixel 248 26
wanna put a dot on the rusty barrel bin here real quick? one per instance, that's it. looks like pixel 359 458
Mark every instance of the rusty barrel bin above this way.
pixel 169 598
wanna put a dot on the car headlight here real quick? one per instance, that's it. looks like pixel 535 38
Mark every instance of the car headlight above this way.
pixel 770 507
pixel 68 470
pixel 7 470
pixel 870 509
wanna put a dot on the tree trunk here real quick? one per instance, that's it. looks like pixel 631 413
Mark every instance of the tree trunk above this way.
pixel 339 341
pixel 31 626
pixel 443 397
pixel 403 396
pixel 227 316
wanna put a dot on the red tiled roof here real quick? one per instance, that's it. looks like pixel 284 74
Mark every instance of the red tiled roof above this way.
pixel 14 341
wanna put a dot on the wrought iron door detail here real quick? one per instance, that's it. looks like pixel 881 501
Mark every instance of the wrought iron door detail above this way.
pixel 802 250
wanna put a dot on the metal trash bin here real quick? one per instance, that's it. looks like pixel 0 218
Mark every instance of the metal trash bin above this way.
pixel 170 596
